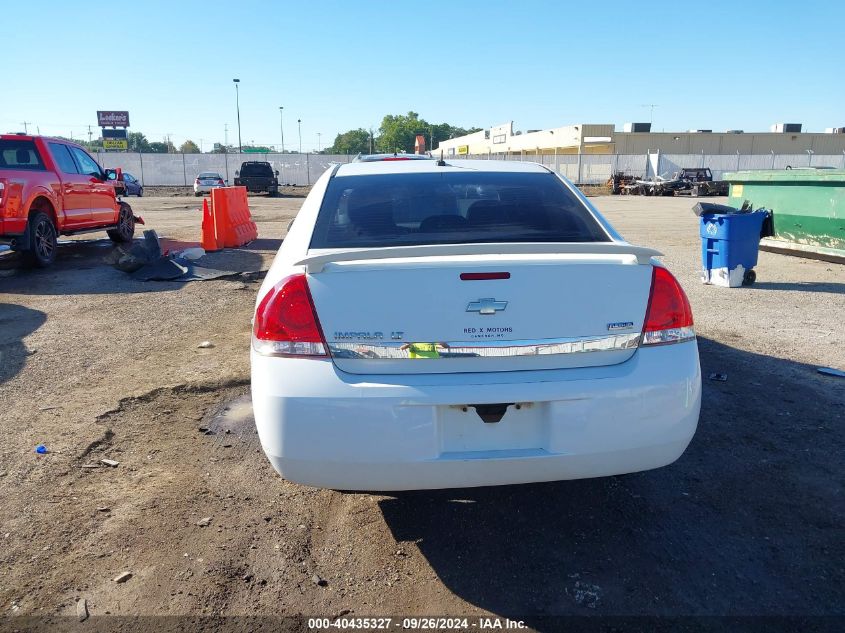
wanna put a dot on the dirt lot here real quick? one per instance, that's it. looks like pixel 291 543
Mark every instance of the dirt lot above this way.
pixel 94 365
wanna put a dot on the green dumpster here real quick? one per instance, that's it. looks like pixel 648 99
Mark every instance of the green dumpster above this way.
pixel 807 205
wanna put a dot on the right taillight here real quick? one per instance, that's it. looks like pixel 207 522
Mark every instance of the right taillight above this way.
pixel 286 323
pixel 668 318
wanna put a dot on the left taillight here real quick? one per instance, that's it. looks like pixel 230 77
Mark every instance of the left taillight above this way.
pixel 668 318
pixel 2 191
pixel 220 182
pixel 286 323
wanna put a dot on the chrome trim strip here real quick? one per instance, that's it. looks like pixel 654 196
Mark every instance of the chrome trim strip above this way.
pixel 490 349
pixel 316 260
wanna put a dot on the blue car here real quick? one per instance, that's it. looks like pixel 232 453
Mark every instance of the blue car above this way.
pixel 132 186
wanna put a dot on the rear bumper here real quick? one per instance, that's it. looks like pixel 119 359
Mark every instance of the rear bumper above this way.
pixel 13 232
pixel 321 427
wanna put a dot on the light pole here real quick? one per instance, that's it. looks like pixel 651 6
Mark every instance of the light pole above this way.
pixel 238 106
pixel 282 126
pixel 318 143
pixel 299 127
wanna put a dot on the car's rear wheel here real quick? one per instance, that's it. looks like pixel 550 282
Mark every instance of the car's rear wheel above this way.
pixel 125 225
pixel 140 191
pixel 43 240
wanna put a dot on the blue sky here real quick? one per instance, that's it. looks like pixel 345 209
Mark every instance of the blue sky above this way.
pixel 338 65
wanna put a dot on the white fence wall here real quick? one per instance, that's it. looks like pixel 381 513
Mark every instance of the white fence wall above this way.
pixel 180 169
pixel 304 169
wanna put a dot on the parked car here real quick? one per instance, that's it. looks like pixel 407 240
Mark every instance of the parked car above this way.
pixel 132 186
pixel 258 176
pixel 430 325
pixel 206 181
pixel 51 187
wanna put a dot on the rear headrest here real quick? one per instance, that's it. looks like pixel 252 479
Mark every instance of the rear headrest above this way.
pixel 371 210
pixel 485 212
pixel 22 157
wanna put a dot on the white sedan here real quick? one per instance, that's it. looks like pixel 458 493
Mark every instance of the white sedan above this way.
pixel 206 181
pixel 428 324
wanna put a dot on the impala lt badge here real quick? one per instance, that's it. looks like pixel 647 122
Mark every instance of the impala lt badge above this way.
pixel 622 325
pixel 486 306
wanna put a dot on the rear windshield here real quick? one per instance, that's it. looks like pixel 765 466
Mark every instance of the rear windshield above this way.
pixel 208 174
pixel 16 154
pixel 449 208
pixel 261 169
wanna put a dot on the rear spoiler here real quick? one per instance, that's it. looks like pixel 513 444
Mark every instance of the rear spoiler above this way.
pixel 316 263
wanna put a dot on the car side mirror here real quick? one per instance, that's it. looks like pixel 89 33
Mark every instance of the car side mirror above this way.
pixel 277 172
pixel 237 173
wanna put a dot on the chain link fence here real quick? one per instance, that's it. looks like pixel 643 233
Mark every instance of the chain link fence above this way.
pixel 180 170
pixel 594 169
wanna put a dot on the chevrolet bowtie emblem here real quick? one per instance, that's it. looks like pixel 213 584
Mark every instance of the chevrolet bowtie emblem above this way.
pixel 486 306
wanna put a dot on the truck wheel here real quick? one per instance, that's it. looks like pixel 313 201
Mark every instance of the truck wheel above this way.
pixel 125 225
pixel 43 240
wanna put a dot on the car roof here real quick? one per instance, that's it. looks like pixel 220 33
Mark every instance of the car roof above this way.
pixel 431 166
pixel 20 136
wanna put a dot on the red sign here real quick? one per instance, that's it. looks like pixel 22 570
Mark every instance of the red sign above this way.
pixel 112 118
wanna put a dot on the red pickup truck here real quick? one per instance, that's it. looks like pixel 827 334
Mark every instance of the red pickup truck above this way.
pixel 51 187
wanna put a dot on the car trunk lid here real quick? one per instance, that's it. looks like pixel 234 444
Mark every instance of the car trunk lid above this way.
pixel 476 312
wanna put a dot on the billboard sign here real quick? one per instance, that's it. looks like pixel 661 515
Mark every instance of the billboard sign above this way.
pixel 115 143
pixel 112 118
pixel 114 133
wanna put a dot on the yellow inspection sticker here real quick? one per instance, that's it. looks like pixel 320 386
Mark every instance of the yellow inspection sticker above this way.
pixel 736 190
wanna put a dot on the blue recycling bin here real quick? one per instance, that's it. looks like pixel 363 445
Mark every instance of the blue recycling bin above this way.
pixel 729 245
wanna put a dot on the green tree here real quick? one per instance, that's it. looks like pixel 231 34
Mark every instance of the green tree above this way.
pixel 189 147
pixel 351 142
pixel 162 148
pixel 398 132
pixel 137 142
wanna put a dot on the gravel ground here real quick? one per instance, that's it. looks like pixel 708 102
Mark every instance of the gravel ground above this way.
pixel 97 366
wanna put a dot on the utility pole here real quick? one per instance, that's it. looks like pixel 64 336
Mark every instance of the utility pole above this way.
pixel 25 128
pixel 282 126
pixel 299 126
pixel 651 106
pixel 200 146
pixel 371 140
pixel 225 138
pixel 90 133
pixel 318 143
pixel 238 106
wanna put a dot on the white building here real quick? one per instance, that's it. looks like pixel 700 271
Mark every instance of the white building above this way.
pixel 590 138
